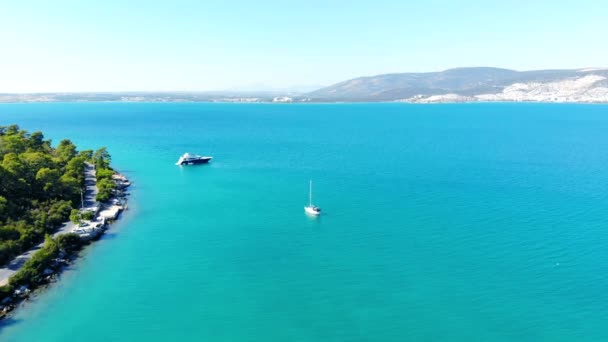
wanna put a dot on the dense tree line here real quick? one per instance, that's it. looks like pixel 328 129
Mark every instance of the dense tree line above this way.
pixel 39 186
pixel 103 172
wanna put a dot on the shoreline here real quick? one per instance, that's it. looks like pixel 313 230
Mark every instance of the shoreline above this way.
pixel 104 215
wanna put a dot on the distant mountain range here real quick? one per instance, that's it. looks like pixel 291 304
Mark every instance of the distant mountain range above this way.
pixel 453 85
pixel 473 84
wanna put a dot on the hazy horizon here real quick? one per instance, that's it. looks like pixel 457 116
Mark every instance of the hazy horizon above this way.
pixel 69 46
pixel 259 89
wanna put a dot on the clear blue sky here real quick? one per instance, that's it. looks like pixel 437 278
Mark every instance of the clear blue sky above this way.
pixel 114 45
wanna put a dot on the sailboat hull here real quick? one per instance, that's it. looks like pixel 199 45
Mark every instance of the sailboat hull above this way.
pixel 312 210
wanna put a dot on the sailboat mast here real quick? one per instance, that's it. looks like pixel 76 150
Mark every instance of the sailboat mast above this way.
pixel 310 192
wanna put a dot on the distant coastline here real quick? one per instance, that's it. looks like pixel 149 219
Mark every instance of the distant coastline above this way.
pixel 433 99
pixel 460 85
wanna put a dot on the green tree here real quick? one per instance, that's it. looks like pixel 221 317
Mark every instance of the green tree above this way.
pixel 58 213
pixel 105 187
pixel 87 215
pixel 66 150
pixel 75 167
pixel 3 208
pixel 7 181
pixel 11 130
pixel 75 216
pixel 102 158
pixel 104 174
pixel 36 160
pixel 13 186
pixel 36 142
pixel 30 238
pixel 70 188
pixel 33 162
pixel 87 154
pixel 9 233
pixel 48 179
pixel 13 164
pixel 13 144
pixel 69 242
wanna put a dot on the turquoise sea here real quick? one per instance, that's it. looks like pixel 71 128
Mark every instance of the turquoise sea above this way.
pixel 455 222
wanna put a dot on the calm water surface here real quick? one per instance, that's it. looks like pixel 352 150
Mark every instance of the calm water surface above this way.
pixel 476 222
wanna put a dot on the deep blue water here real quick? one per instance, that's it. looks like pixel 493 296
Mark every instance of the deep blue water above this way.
pixel 465 222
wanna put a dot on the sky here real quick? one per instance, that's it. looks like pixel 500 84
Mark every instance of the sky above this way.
pixel 183 45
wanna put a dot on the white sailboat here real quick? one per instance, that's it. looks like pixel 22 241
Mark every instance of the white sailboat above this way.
pixel 310 208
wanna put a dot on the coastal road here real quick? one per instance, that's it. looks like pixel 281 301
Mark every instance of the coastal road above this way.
pixel 90 193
